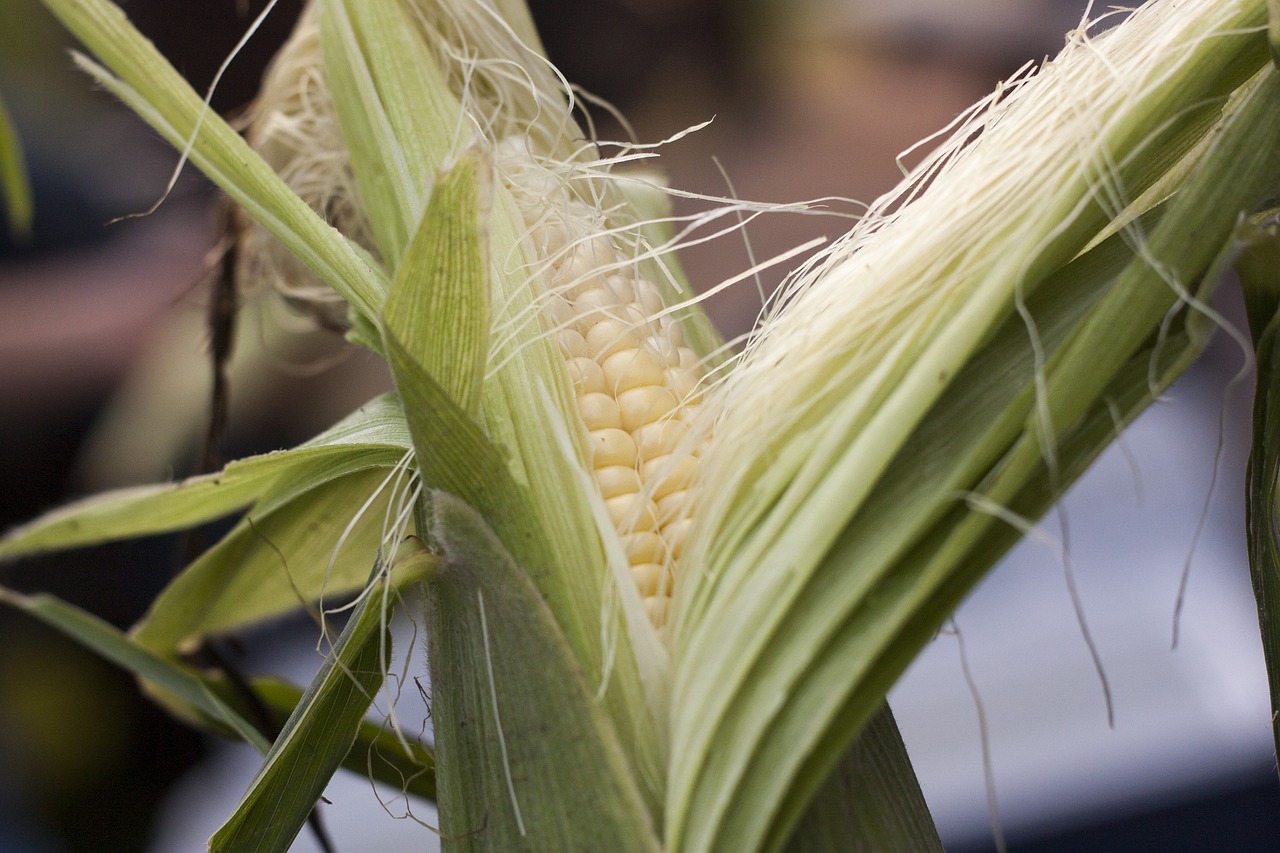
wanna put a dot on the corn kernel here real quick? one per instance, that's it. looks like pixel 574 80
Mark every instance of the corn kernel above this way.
pixel 586 375
pixel 572 343
pixel 599 411
pixel 667 474
pixel 659 438
pixel 631 368
pixel 617 480
pixel 612 447
pixel 641 406
pixel 632 512
pixel 644 547
pixel 652 579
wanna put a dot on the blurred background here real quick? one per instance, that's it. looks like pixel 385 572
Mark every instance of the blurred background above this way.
pixel 810 99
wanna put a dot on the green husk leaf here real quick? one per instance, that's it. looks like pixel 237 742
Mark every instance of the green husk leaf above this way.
pixel 398 116
pixel 149 85
pixel 276 560
pixel 860 628
pixel 15 188
pixel 181 681
pixel 439 302
pixel 872 803
pixel 1259 270
pixel 317 737
pixel 1273 30
pixel 403 764
pixel 528 760
pixel 374 436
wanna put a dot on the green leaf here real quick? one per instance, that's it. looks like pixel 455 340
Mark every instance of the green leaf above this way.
pixel 277 560
pixel 398 117
pixel 15 189
pixel 402 764
pixel 833 641
pixel 103 639
pixel 1259 269
pixel 144 80
pixel 872 802
pixel 318 735
pixel 1273 30
pixel 372 437
pixel 439 303
pixel 528 760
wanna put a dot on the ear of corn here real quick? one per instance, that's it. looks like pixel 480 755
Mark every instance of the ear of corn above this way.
pixel 953 362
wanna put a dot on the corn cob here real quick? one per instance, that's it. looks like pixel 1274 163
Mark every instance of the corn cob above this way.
pixel 636 380
pixel 637 387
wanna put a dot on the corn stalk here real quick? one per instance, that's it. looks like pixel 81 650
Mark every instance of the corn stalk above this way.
pixel 667 587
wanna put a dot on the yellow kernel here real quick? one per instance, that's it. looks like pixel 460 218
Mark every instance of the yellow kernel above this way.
pixel 674 535
pixel 632 368
pixel 615 480
pixel 666 350
pixel 632 512
pixel 612 447
pixel 641 406
pixel 579 268
pixel 688 358
pixel 593 305
pixel 550 236
pixel 571 343
pixel 649 298
pixel 656 606
pixel 599 411
pixel 652 579
pixel 666 474
pixel 586 375
pixel 610 335
pixel 674 506
pixel 560 311
pixel 644 547
pixel 659 439
pixel 621 287
pixel 689 412
pixel 672 332
pixel 683 383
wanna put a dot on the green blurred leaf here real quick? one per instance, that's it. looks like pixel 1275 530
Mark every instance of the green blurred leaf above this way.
pixel 1259 270
pixel 114 645
pixel 528 760
pixel 373 437
pixel 15 188
pixel 1273 30
pixel 318 735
